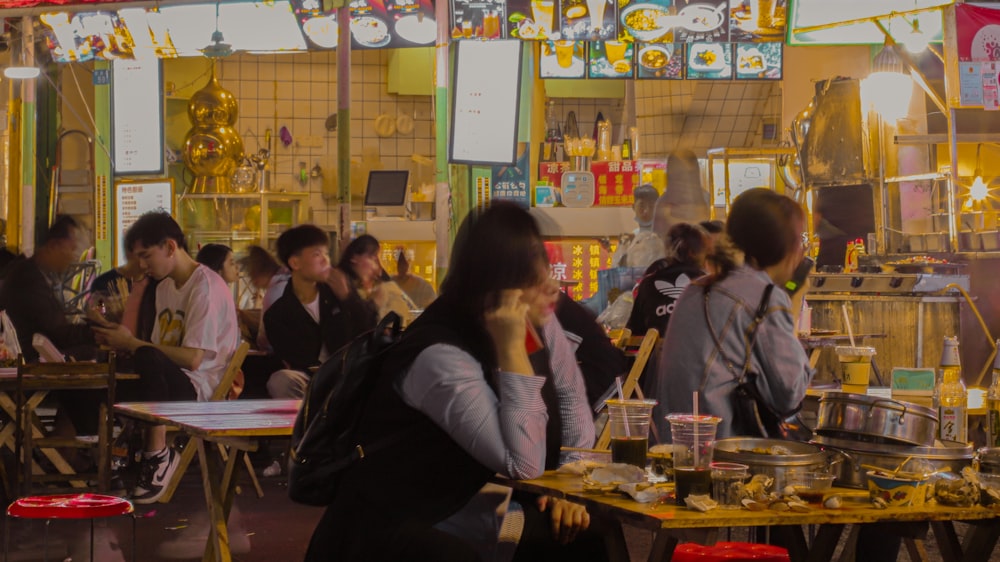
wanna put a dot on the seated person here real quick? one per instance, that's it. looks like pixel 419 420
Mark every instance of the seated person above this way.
pixel 107 282
pixel 361 266
pixel 219 258
pixel 416 287
pixel 309 321
pixel 267 275
pixel 30 302
pixel 193 338
pixel 687 247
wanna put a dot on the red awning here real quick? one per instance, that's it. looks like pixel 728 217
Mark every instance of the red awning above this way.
pixel 33 3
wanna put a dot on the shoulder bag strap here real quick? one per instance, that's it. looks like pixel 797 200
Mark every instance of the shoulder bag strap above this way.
pixel 752 331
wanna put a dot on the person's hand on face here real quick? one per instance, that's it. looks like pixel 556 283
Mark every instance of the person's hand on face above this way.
pixel 507 322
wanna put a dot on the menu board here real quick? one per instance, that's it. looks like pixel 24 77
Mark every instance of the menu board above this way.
pixel 392 23
pixel 562 59
pixel 611 59
pixel 137 117
pixel 710 61
pixel 530 19
pixel 478 19
pixel 134 198
pixel 758 61
pixel 485 103
pixel 663 61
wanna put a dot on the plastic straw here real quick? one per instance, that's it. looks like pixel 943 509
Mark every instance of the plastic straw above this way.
pixel 621 396
pixel 695 401
pixel 847 323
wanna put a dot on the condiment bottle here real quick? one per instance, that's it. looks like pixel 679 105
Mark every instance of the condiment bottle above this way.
pixel 951 396
pixel 850 258
pixel 993 406
pixel 603 141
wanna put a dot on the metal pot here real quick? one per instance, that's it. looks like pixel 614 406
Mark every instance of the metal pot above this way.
pixel 951 457
pixel 987 460
pixel 800 456
pixel 879 420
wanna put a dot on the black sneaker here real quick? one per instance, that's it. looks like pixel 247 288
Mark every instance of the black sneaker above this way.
pixel 154 475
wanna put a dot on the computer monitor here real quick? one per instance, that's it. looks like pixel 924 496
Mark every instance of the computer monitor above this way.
pixel 386 192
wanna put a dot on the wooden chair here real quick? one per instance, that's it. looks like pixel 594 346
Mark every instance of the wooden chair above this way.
pixel 33 382
pixel 221 393
pixel 630 387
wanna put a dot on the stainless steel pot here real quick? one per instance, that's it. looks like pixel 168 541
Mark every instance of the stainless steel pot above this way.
pixel 762 458
pixel 951 457
pixel 880 420
pixel 987 460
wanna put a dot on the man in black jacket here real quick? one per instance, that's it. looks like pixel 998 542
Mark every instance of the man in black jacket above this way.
pixel 28 297
pixel 310 321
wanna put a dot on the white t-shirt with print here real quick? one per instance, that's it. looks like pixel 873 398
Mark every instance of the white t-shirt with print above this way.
pixel 199 315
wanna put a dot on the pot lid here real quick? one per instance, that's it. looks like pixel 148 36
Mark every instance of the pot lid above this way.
pixel 940 451
pixel 879 402
pixel 768 452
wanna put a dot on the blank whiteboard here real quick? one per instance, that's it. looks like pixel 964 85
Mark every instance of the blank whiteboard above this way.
pixel 485 102
pixel 137 117
pixel 134 198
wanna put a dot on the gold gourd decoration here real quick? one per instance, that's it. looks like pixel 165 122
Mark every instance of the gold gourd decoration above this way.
pixel 213 148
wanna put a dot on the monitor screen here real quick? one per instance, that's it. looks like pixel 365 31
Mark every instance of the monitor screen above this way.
pixel 386 187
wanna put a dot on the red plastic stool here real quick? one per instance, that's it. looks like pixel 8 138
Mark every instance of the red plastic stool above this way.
pixel 69 506
pixel 729 552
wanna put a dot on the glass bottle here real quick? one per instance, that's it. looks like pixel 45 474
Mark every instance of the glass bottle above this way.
pixel 951 395
pixel 993 406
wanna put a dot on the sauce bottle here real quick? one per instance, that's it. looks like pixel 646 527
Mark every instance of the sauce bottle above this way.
pixel 952 397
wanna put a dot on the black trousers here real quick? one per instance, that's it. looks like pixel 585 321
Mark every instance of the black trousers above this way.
pixel 160 379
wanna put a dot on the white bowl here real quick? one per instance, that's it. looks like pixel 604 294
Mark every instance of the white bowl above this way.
pixel 658 15
pixel 652 50
pixel 701 18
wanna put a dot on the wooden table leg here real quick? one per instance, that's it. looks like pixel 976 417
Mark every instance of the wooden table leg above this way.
pixel 825 542
pixel 664 544
pixel 219 489
pixel 980 540
pixel 947 539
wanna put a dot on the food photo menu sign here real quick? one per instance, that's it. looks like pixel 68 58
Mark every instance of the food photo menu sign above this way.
pixel 479 19
pixel 391 24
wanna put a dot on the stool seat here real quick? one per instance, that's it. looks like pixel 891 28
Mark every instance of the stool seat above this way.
pixel 729 552
pixel 69 506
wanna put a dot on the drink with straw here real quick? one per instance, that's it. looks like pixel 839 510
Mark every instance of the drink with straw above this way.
pixel 693 442
pixel 629 421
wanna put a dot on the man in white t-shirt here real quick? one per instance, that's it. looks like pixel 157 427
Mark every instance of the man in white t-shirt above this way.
pixel 194 336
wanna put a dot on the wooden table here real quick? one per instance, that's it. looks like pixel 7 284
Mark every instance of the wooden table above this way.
pixel 665 519
pixel 237 424
pixel 39 387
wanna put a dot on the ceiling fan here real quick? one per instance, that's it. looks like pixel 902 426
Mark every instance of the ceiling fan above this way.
pixel 218 48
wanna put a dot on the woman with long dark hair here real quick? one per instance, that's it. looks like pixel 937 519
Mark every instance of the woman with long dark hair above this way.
pixel 709 336
pixel 468 400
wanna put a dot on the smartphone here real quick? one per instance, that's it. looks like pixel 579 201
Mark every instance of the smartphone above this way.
pixel 532 341
pixel 799 277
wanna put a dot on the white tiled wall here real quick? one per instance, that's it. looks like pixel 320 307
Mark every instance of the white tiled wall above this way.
pixel 299 92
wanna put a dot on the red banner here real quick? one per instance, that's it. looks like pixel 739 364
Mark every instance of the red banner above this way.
pixel 977 32
pixel 33 3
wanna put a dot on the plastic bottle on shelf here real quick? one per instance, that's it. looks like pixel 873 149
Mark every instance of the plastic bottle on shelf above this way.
pixel 993 406
pixel 951 396
pixel 851 258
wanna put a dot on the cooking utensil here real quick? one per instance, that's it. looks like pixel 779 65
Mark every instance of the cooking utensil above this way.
pixel 571 129
pixel 773 457
pixel 874 419
pixel 859 454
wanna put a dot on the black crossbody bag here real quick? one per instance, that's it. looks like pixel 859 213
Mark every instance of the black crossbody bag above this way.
pixel 752 412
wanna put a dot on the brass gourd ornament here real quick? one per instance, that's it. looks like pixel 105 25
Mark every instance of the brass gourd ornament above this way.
pixel 213 148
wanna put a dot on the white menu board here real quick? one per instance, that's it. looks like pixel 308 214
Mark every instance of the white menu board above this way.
pixel 485 103
pixel 134 198
pixel 137 117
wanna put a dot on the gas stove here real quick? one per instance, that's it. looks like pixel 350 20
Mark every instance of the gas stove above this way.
pixel 885 283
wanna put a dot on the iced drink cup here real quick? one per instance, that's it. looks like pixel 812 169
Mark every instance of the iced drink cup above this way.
pixel 629 421
pixel 855 367
pixel 615 50
pixel 564 53
pixel 693 442
pixel 543 12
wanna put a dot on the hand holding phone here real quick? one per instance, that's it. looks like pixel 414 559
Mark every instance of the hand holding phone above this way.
pixel 800 275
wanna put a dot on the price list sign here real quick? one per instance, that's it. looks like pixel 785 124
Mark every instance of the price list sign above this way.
pixel 132 199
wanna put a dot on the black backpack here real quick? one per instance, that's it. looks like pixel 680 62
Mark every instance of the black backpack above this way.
pixel 323 439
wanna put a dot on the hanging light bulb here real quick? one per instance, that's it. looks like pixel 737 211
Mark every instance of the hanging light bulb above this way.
pixel 888 88
pixel 18 70
pixel 914 40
